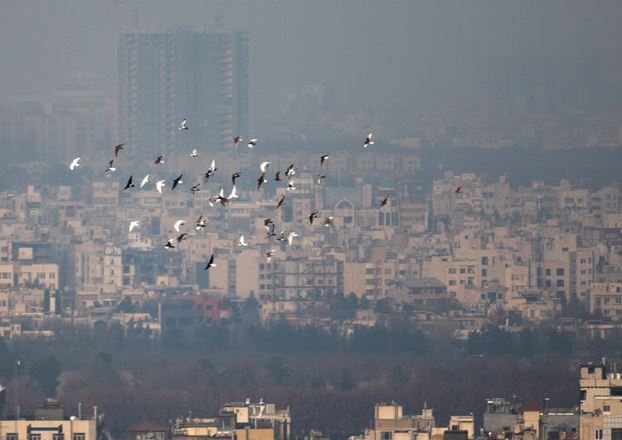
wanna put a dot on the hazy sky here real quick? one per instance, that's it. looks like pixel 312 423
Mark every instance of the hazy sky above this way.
pixel 401 55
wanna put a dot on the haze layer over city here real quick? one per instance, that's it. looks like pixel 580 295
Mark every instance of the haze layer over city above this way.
pixel 282 220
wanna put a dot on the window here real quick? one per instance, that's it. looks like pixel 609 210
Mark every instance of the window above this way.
pixel 560 283
pixel 58 436
pixel 79 436
pixel 598 434
pixel 547 272
pixel 560 272
pixel 34 436
pixel 606 408
pixel 12 436
pixel 452 270
pixel 386 435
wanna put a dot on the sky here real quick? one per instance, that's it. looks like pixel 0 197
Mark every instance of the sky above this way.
pixel 394 56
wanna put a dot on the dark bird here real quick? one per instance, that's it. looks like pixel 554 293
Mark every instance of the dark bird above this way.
pixel 261 181
pixel 170 244
pixel 177 181
pixel 129 184
pixel 181 237
pixel 323 159
pixel 195 188
pixel 267 222
pixel 369 140
pixel 110 168
pixel 277 177
pixel 270 232
pixel 320 178
pixel 235 176
pixel 117 149
pixel 290 170
pixel 210 263
pixel 458 190
pixel 384 201
pixel 281 202
pixel 159 160
pixel 236 141
pixel 313 216
pixel 252 143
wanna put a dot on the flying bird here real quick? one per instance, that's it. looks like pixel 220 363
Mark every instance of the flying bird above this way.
pixel 290 170
pixel 236 141
pixel 178 224
pixel 290 237
pixel 328 221
pixel 210 171
pixel 313 216
pixel 269 255
pixel 201 222
pixel 264 166
pixel 252 143
pixel 369 140
pixel 267 222
pixel 129 184
pixel 261 181
pixel 234 193
pixel 159 185
pixel 181 237
pixel 184 125
pixel 111 167
pixel 74 163
pixel 281 238
pixel 241 242
pixel 178 181
pixel 195 188
pixel 170 244
pixel 277 177
pixel 320 178
pixel 134 224
pixel 458 190
pixel 290 185
pixel 323 158
pixel 210 263
pixel 159 160
pixel 144 181
pixel 117 149
pixel 195 152
pixel 384 201
pixel 281 202
pixel 235 176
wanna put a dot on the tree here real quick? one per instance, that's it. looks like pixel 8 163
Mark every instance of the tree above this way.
pixel 46 371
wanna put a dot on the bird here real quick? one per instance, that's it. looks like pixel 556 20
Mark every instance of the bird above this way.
pixel 195 188
pixel 320 178
pixel 111 167
pixel 129 184
pixel 264 166
pixel 290 185
pixel 236 141
pixel 269 255
pixel 195 152
pixel 159 160
pixel 201 222
pixel 323 158
pixel 184 125
pixel 241 242
pixel 178 181
pixel 170 244
pixel 281 202
pixel 159 185
pixel 277 176
pixel 210 171
pixel 261 181
pixel 290 170
pixel 384 201
pixel 313 216
pixel 178 224
pixel 210 263
pixel 234 193
pixel 133 224
pixel 117 149
pixel 74 163
pixel 252 143
pixel 181 237
pixel 267 222
pixel 328 220
pixel 369 140
pixel 221 198
pixel 270 232
pixel 235 176
pixel 290 237
pixel 458 190
pixel 144 181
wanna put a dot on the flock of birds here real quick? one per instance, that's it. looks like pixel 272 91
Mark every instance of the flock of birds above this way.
pixel 201 222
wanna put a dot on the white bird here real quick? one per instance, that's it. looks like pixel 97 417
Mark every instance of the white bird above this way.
pixel 369 140
pixel 144 181
pixel 74 163
pixel 159 185
pixel 252 143
pixel 234 193
pixel 290 185
pixel 184 125
pixel 178 224
pixel 195 152
pixel 201 222
pixel 269 255
pixel 133 224
pixel 242 242
pixel 290 237
pixel 264 166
